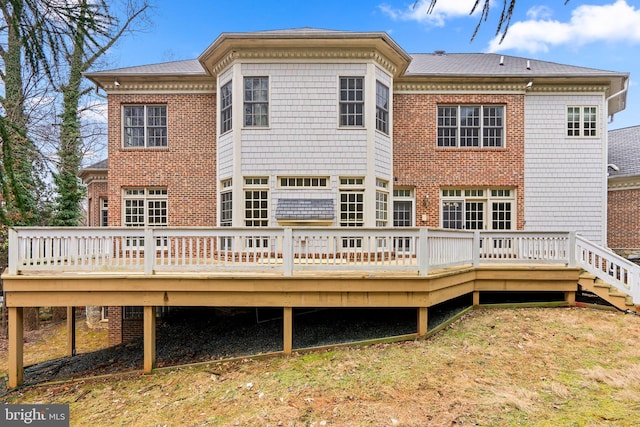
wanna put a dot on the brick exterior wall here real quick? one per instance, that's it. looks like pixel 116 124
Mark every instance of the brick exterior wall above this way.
pixel 96 190
pixel 123 330
pixel 186 167
pixel 623 226
pixel 419 162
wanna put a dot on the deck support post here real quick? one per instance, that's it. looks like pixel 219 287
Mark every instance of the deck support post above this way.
pixel 16 346
pixel 149 338
pixel 423 321
pixel 476 298
pixel 288 330
pixel 71 331
pixel 570 298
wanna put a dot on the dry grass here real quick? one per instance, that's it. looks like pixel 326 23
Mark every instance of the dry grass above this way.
pixel 502 367
pixel 50 343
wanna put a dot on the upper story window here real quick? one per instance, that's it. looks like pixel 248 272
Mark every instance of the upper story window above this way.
pixel 382 108
pixel 351 101
pixel 145 125
pixel 256 101
pixel 471 126
pixel 581 121
pixel 226 115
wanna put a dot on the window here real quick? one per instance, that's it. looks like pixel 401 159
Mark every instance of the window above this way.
pixel 256 202
pixel 104 211
pixel 382 203
pixel 304 182
pixel 351 202
pixel 478 209
pixel 145 126
pixel 132 312
pixel 145 207
pixel 581 121
pixel 402 216
pixel 351 101
pixel 382 108
pixel 226 114
pixel 471 126
pixel 256 101
pixel 226 204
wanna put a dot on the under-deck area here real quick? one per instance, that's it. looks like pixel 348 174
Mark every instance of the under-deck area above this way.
pixel 286 269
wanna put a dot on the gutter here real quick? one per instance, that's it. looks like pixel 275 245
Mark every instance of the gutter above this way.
pixel 624 90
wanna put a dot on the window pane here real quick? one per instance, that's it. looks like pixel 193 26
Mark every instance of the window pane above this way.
pixel 452 214
pixel 492 126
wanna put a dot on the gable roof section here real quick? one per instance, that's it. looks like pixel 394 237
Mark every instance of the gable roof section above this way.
pixel 624 152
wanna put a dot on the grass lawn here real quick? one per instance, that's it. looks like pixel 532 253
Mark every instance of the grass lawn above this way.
pixel 494 367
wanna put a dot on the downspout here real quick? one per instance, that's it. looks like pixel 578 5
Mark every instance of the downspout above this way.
pixel 605 231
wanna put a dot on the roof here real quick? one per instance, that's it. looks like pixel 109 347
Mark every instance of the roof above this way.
pixel 493 64
pixel 95 171
pixel 305 209
pixel 624 151
pixel 191 67
pixel 102 164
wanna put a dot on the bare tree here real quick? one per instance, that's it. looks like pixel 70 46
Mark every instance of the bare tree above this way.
pixel 508 8
pixel 95 31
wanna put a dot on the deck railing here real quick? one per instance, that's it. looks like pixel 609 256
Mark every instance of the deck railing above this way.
pixel 290 250
pixel 615 270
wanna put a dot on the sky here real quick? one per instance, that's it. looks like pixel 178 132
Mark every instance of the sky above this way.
pixel 601 34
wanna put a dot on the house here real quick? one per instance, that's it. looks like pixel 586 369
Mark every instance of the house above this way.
pixel 624 192
pixel 310 127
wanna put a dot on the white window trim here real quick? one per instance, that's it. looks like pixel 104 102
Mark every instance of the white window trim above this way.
pixel 269 105
pixel 481 146
pixel 230 107
pixel 581 121
pixel 488 199
pixel 364 102
pixel 146 134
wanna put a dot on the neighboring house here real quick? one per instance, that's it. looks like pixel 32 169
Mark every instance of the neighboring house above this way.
pixel 316 127
pixel 624 192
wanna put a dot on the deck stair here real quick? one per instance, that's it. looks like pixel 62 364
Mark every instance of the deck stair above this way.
pixel 607 292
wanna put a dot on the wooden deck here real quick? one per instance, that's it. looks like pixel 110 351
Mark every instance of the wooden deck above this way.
pixel 312 289
pixel 47 270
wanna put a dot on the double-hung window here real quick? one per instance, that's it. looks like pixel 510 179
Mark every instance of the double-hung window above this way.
pixel 145 126
pixel 352 101
pixel 470 126
pixel 478 209
pixel 582 121
pixel 382 108
pixel 256 101
pixel 226 112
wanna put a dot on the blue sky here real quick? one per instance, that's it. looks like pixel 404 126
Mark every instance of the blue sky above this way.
pixel 603 34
